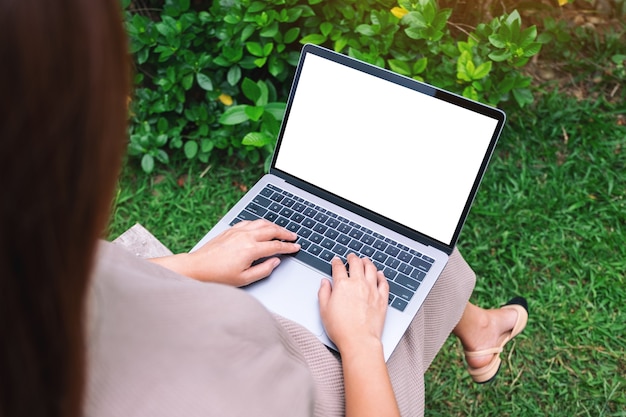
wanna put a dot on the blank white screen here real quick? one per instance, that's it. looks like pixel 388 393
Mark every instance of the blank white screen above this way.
pixel 403 154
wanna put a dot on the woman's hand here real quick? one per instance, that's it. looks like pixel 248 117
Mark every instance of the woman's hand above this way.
pixel 353 310
pixel 228 257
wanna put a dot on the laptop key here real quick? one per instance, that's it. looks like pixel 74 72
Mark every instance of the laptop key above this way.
pixel 392 250
pixel 332 223
pixel 266 192
pixel 421 264
pixel 256 209
pixel 246 215
pixel 271 216
pixel 313 261
pixel 314 249
pixel 328 244
pixel 379 244
pixel 327 256
pixel 367 251
pixel 407 282
pixel 261 201
pixel 343 239
pixel 344 228
pixel 287 212
pixel 399 304
pixel 304 244
pixel 400 291
pixel 355 245
pixel 316 238
pixel 340 249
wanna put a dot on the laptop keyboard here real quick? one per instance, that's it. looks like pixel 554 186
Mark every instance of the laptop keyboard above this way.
pixel 323 235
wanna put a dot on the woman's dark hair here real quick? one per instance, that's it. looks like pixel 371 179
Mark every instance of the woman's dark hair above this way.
pixel 64 83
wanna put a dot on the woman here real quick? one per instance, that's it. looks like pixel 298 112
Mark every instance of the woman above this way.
pixel 88 329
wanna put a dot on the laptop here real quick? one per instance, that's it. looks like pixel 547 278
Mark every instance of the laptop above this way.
pixel 371 162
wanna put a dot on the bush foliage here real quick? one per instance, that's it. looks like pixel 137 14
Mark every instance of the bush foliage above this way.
pixel 216 75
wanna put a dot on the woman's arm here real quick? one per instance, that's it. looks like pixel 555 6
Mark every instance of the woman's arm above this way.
pixel 229 257
pixel 353 311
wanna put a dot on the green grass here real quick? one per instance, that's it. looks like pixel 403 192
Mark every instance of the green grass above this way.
pixel 181 204
pixel 548 223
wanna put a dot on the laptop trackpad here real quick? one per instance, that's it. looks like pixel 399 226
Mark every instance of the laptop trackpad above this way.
pixel 291 292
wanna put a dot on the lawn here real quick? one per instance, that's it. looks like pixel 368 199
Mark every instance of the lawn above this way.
pixel 548 223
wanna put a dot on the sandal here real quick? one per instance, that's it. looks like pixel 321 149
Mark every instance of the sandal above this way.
pixel 488 372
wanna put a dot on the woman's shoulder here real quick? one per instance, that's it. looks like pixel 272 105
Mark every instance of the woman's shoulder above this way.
pixel 190 346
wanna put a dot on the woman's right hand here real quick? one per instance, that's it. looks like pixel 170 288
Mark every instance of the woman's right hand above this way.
pixel 353 309
pixel 353 312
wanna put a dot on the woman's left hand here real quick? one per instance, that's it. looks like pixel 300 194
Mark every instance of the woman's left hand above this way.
pixel 228 258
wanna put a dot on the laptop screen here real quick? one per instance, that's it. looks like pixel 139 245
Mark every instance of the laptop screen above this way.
pixel 402 153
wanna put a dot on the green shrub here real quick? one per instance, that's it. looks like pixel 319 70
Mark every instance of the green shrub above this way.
pixel 217 78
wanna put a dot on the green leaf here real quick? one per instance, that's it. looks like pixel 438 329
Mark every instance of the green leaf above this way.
pixel 500 56
pixel 160 140
pixel 482 70
pixel 204 82
pixel 162 156
pixel 497 41
pixel 400 67
pixel 250 89
pixel 291 35
pixel 147 163
pixel 254 112
pixel 256 6
pixel 206 145
pixel 470 93
pixel 270 31
pixel 232 19
pixel 234 75
pixel 255 48
pixel 326 28
pixel 276 66
pixel 314 38
pixel 234 115
pixel 247 32
pixel 259 62
pixel 420 65
pixel 532 49
pixel 523 96
pixel 190 149
pixel 415 33
pixel 187 81
pixel 528 36
pixel 162 124
pixel 257 139
pixel 276 109
pixel 365 30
